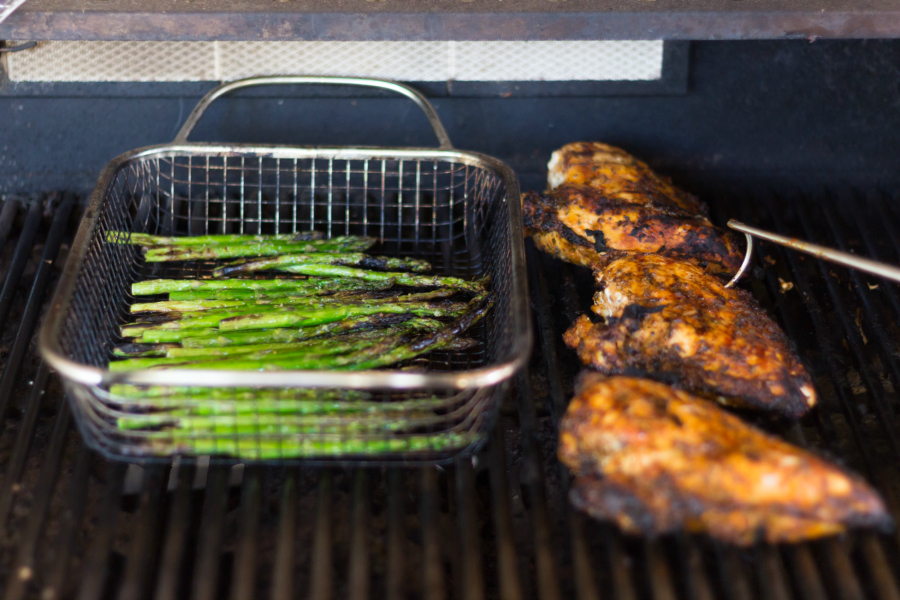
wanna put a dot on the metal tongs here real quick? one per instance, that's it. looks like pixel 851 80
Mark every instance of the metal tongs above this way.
pixel 836 256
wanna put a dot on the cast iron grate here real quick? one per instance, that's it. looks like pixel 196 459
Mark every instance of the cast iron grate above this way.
pixel 75 526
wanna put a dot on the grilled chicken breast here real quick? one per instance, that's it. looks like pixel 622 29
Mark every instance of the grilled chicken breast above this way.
pixel 601 198
pixel 654 459
pixel 580 224
pixel 674 322
pixel 619 175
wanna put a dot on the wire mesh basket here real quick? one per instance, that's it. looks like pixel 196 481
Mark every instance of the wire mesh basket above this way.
pixel 458 210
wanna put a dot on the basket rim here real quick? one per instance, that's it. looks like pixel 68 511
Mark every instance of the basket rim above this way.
pixel 492 374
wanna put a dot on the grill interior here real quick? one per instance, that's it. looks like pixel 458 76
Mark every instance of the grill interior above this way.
pixel 496 526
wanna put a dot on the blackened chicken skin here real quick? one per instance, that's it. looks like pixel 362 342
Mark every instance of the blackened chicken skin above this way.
pixel 654 459
pixel 580 224
pixel 672 321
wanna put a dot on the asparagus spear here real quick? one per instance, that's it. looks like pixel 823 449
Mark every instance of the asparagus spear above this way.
pixel 313 240
pixel 279 261
pixel 211 336
pixel 397 278
pixel 318 248
pixel 163 336
pixel 146 239
pixel 307 286
pixel 252 447
pixel 316 346
pixel 285 335
pixel 288 316
pixel 127 391
pixel 261 403
pixel 171 306
pixel 250 294
pixel 182 306
pixel 231 424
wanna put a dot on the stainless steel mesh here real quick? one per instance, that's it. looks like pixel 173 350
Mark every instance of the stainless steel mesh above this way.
pixel 450 208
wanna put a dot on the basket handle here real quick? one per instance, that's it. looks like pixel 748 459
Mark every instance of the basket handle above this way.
pixel 384 84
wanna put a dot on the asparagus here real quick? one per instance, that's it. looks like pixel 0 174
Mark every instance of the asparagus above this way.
pixel 285 335
pixel 163 336
pixel 319 248
pixel 289 316
pixel 250 294
pixel 183 306
pixel 252 447
pixel 211 336
pixel 127 391
pixel 260 403
pixel 280 262
pixel 306 286
pixel 171 306
pixel 397 278
pixel 231 424
pixel 312 239
pixel 389 350
pixel 479 306
pixel 316 346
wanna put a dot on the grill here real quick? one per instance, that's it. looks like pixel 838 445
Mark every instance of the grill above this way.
pixel 496 525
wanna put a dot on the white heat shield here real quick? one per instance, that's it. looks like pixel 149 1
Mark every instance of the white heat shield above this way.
pixel 404 61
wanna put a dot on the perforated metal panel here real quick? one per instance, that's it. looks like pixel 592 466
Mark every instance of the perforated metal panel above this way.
pixel 405 61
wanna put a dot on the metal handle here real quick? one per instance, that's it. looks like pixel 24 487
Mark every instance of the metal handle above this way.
pixel 836 256
pixel 393 86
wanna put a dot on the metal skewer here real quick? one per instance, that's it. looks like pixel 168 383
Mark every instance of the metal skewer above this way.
pixel 842 258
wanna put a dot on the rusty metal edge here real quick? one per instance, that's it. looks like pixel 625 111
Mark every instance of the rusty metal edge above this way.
pixel 119 24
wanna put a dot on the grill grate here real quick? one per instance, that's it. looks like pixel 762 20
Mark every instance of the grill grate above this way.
pixel 75 526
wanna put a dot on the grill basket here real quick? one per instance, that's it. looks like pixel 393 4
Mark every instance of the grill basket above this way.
pixel 458 210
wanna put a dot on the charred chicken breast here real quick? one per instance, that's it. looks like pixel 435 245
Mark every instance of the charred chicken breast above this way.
pixel 654 459
pixel 672 321
pixel 619 175
pixel 580 224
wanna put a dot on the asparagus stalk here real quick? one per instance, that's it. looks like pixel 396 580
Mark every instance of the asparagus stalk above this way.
pixel 306 286
pixel 211 336
pixel 285 335
pixel 183 306
pixel 251 294
pixel 279 261
pixel 260 403
pixel 311 239
pixel 252 447
pixel 248 424
pixel 168 336
pixel 146 239
pixel 315 346
pixel 127 391
pixel 320 248
pixel 397 278
pixel 257 317
pixel 289 316
pixel 171 306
